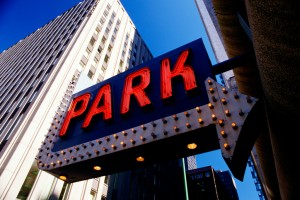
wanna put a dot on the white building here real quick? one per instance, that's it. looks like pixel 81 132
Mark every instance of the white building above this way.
pixel 214 35
pixel 92 41
pixel 210 22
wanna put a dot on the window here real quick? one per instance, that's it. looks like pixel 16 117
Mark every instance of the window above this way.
pixel 103 68
pixel 199 176
pixel 67 41
pixel 95 61
pixel 106 179
pixel 106 58
pixel 28 183
pixel 102 20
pixel 97 30
pixel 82 64
pixel 131 44
pixel 93 195
pixel 87 53
pixel 113 39
pixel 56 40
pixel 58 55
pixel 207 174
pixel 121 64
pixel 99 49
pixel 110 23
pixel 92 41
pixel 18 97
pixel 103 40
pixel 113 15
pixel 49 59
pixel 93 68
pixel 3 117
pixel 49 69
pixel 39 86
pixel 105 13
pixel 27 92
pixel 64 37
pixel 39 74
pixel 115 31
pixel 90 74
pixel 63 190
pixel 57 47
pixel 109 48
pixel 100 78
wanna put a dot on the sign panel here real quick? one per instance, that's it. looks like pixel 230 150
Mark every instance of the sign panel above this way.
pixel 167 108
pixel 135 96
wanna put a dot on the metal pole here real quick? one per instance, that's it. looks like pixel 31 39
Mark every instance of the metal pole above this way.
pixel 185 182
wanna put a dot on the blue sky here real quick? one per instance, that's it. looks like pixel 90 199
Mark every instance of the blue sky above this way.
pixel 163 24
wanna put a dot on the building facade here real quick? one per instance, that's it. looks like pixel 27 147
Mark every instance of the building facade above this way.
pixel 163 180
pixel 210 21
pixel 215 38
pixel 206 183
pixel 88 43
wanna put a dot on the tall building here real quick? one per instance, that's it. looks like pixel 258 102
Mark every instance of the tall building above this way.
pixel 206 183
pixel 163 180
pixel 90 42
pixel 226 180
pixel 207 13
pixel 214 35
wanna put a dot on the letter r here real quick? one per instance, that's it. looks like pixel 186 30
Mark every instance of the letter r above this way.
pixel 137 91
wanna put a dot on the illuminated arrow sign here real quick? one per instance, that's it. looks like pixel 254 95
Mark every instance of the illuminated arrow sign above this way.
pixel 162 107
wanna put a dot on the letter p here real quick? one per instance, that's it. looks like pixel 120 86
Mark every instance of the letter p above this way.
pixel 74 111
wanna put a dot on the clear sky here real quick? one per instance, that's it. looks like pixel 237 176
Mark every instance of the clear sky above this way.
pixel 163 24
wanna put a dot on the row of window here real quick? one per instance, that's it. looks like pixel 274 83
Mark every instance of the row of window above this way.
pixel 94 62
pixel 27 65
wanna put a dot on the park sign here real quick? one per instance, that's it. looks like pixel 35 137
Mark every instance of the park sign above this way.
pixel 168 108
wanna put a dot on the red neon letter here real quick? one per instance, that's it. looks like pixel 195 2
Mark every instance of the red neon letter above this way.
pixel 74 113
pixel 137 91
pixel 180 69
pixel 106 108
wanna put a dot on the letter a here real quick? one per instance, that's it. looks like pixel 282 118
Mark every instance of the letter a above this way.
pixel 106 108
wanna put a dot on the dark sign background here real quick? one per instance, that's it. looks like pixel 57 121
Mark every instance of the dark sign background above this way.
pixel 180 102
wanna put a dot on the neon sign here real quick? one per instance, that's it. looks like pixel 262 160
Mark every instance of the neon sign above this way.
pixel 168 84
pixel 149 113
pixel 103 100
